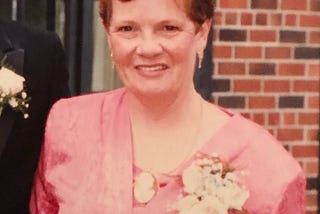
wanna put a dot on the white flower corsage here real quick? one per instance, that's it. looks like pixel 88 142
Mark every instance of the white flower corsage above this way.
pixel 210 187
pixel 11 90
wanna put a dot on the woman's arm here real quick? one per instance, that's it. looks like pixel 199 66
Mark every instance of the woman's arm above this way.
pixel 293 200
pixel 43 198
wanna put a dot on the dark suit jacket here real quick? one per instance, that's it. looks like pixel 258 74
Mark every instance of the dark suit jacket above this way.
pixel 46 77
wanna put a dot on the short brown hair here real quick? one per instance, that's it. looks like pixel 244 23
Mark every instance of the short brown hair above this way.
pixel 197 10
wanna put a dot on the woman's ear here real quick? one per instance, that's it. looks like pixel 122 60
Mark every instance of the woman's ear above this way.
pixel 203 33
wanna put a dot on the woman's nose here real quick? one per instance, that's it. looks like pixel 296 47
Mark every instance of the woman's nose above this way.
pixel 149 46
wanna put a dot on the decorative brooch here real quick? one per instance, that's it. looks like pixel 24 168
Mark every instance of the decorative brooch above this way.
pixel 145 187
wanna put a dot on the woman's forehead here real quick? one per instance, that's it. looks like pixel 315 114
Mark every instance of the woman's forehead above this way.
pixel 183 4
pixel 161 9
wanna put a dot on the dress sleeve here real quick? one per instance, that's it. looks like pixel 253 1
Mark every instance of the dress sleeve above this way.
pixel 43 199
pixel 293 198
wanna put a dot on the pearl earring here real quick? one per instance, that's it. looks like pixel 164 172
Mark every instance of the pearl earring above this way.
pixel 112 62
pixel 200 58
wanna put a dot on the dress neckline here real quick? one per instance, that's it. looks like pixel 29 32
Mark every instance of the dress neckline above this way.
pixel 204 149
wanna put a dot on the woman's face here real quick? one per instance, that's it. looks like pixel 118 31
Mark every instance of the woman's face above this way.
pixel 153 45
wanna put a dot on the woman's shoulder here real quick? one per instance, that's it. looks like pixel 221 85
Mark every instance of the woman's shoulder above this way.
pixel 268 167
pixel 248 142
pixel 88 102
pixel 80 110
pixel 259 140
pixel 80 116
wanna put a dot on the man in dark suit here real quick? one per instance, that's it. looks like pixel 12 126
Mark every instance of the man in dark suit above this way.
pixel 38 56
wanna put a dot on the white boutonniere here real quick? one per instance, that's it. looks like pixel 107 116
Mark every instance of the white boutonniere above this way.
pixel 12 91
pixel 210 187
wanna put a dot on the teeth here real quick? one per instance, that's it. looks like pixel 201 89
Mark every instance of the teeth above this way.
pixel 152 68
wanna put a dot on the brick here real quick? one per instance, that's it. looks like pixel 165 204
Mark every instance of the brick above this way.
pixel 247 85
pixel 292 36
pixel 231 68
pixel 293 4
pixel 261 19
pixel 306 53
pixel 287 147
pixel 285 134
pixel 314 5
pixel 312 167
pixel 271 131
pixel 310 20
pixel 217 19
pixel 232 101
pixel 315 37
pixel 233 35
pixel 220 51
pixel 311 200
pixel 273 118
pixel 276 86
pixel 231 18
pixel 259 118
pixel 233 4
pixel 216 34
pixel 312 183
pixel 291 69
pixel 306 85
pixel 291 20
pixel 313 102
pixel 289 118
pixel 219 85
pixel 314 70
pixel 313 135
pixel 262 68
pixel 263 4
pixel 311 211
pixel 246 115
pixel 246 19
pixel 248 52
pixel 278 52
pixel 276 19
pixel 263 35
pixel 261 102
pixel 308 118
pixel 291 102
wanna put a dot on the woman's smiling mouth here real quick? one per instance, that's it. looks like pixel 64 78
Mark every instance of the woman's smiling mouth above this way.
pixel 154 70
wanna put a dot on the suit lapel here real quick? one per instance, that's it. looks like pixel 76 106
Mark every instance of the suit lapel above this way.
pixel 15 58
pixel 6 122
pixel 5 43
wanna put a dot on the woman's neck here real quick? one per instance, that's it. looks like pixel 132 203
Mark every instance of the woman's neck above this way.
pixel 165 127
pixel 164 107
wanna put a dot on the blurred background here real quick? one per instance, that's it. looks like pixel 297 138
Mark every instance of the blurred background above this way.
pixel 262 60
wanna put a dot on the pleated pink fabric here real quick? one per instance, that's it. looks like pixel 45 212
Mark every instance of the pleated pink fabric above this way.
pixel 86 160
pixel 86 165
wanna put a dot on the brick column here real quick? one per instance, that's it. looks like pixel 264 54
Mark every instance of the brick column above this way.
pixel 267 67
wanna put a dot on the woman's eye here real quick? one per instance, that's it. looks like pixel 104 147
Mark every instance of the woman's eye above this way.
pixel 125 28
pixel 170 28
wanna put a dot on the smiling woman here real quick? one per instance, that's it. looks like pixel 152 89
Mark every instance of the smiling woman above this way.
pixel 155 146
pixel 152 48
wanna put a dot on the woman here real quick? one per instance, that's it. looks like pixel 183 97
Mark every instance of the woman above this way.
pixel 131 150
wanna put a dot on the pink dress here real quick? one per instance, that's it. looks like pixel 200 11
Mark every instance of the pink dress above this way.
pixel 86 165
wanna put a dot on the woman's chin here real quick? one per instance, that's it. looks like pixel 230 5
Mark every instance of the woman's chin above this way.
pixel 153 92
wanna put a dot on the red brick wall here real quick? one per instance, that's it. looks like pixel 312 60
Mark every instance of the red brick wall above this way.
pixel 266 66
